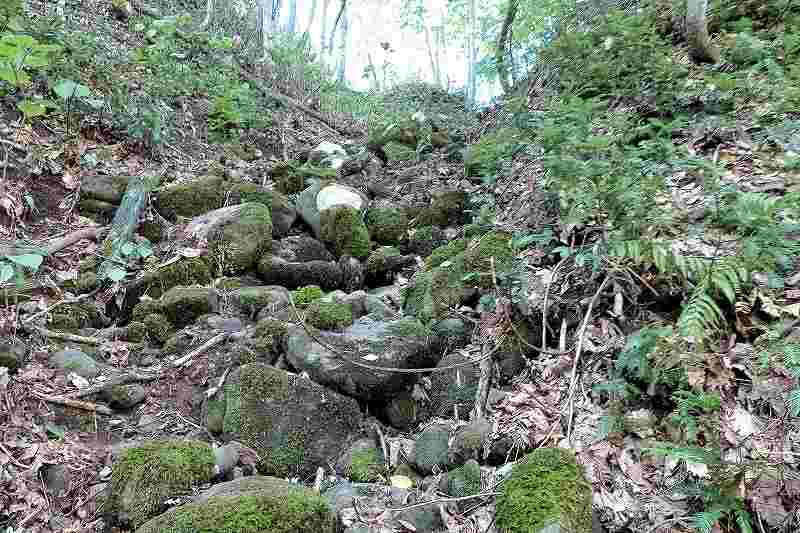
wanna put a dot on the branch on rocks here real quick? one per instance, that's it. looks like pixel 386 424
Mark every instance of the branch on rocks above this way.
pixel 120 380
pixel 57 244
pixel 77 404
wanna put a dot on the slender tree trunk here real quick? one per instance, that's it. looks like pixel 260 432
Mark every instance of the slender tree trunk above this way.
pixel 209 10
pixel 700 48
pixel 311 17
pixel 376 82
pixel 292 22
pixel 502 45
pixel 342 70
pixel 335 24
pixel 434 70
pixel 323 31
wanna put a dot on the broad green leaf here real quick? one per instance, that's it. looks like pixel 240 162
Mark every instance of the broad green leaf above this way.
pixel 116 273
pixel 67 89
pixel 32 109
pixel 31 261
pixel 6 272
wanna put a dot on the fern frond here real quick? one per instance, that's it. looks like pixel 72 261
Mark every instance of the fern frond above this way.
pixel 701 316
pixel 706 520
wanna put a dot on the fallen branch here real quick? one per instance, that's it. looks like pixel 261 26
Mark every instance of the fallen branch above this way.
pixel 57 244
pixel 77 404
pixel 120 380
pixel 208 344
pixel 213 390
pixel 68 336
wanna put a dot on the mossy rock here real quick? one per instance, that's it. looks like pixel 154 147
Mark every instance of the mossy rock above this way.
pixel 294 424
pixel 288 180
pixel 464 480
pixel 329 315
pixel 282 210
pixel 137 332
pixel 447 209
pixel 445 253
pixel 268 336
pixel 144 308
pixel 158 327
pixel 344 231
pixel 430 449
pixel 187 271
pixel 365 465
pixel 147 475
pixel 424 240
pixel 275 271
pixel 387 225
pixel 12 355
pixel 250 300
pixel 377 260
pixel 193 198
pixel 236 246
pixel 304 296
pixel 182 305
pixel 239 150
pixel 298 510
pixel 75 316
pixel 479 251
pixel 454 386
pixel 545 487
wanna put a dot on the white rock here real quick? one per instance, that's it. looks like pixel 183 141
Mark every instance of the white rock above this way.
pixel 338 195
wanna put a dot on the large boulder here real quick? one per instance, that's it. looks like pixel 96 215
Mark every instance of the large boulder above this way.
pixel 147 475
pixel 394 344
pixel 546 491
pixel 294 424
pixel 251 504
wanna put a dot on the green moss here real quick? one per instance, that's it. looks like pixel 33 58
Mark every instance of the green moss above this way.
pixel 376 262
pixel 329 315
pixel 298 511
pixel 74 316
pixel 151 230
pixel 236 246
pixel 464 480
pixel 192 198
pixel 546 485
pixel 345 232
pixel 305 295
pixel 478 254
pixel 158 327
pixel 147 475
pixel 446 209
pixel 268 336
pixel 443 253
pixel 366 466
pixel 137 332
pixel 386 225
pixel 181 305
pixel 188 271
pixel 215 415
pixel 144 308
pixel 232 422
pixel 431 448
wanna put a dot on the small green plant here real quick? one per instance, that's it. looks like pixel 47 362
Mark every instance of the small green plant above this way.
pixel 20 54
pixel 115 265
pixel 17 266
pixel 486 157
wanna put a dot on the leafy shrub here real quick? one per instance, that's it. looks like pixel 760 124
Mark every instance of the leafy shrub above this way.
pixel 21 54
pixel 486 157
pixel 8 10
pixel 747 50
pixel 624 56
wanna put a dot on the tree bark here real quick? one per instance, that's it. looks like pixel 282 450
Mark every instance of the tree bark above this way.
pixel 700 48
pixel 342 68
pixel 209 10
pixel 374 72
pixel 336 23
pixel 311 17
pixel 502 45
pixel 292 22
pixel 437 78
pixel 323 31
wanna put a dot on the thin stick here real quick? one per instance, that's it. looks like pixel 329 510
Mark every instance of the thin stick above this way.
pixel 544 303
pixel 77 404
pixel 208 344
pixel 578 350
pixel 120 380
pixel 213 390
pixel 68 336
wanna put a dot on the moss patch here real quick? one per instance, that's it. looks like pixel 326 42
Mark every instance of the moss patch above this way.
pixel 345 232
pixel 547 486
pixel 366 466
pixel 443 253
pixel 329 315
pixel 237 246
pixel 446 209
pixel 305 295
pixel 386 225
pixel 298 511
pixel 147 475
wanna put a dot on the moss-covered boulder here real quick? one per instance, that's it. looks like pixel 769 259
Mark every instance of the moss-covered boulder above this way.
pixel 147 475
pixel 546 487
pixel 268 337
pixel 157 327
pixel 301 249
pixel 387 225
pixel 394 344
pixel 192 198
pixel 345 232
pixel 239 236
pixel 304 296
pixel 423 240
pixel 276 271
pixel 383 263
pixel 333 316
pixel 430 449
pixel 281 209
pixel 12 355
pixel 75 316
pixel 445 253
pixel 454 388
pixel 104 187
pixel 462 481
pixel 153 285
pixel 448 208
pixel 182 305
pixel 248 301
pixel 275 506
pixel 363 462
pixel 294 424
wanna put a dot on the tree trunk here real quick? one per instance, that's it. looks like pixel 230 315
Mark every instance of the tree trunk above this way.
pixel 502 45
pixel 342 69
pixel 374 73
pixel 700 48
pixel 336 23
pixel 323 30
pixel 292 22
pixel 437 79
pixel 209 10
pixel 311 17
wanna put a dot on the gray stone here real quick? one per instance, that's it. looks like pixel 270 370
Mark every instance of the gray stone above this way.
pixel 76 361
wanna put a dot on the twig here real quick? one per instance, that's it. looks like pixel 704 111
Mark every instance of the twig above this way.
pixel 68 336
pixel 57 244
pixel 60 302
pixel 443 500
pixel 544 303
pixel 578 350
pixel 384 446
pixel 77 404
pixel 208 344
pixel 318 479
pixel 213 390
pixel 120 380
